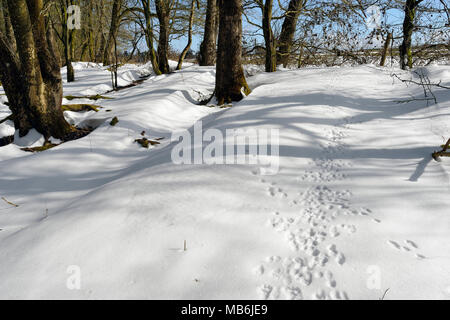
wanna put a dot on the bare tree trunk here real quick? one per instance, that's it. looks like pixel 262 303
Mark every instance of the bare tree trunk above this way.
pixel 115 67
pixel 230 79
pixel 149 36
pixel 67 36
pixel 113 32
pixel 271 54
pixel 385 52
pixel 288 31
pixel 408 28
pixel 188 46
pixel 163 13
pixel 91 45
pixel 208 47
pixel 101 50
pixel 99 31
pixel 31 75
pixel 300 56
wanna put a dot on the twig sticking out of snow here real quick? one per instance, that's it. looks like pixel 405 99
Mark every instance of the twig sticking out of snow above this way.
pixel 10 203
pixel 384 294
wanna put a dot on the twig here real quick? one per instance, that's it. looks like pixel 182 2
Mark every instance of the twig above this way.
pixel 422 83
pixel 384 295
pixel 10 203
pixel 425 83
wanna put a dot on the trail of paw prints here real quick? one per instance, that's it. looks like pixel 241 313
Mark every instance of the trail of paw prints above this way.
pixel 297 278
pixel 320 176
pixel 334 141
pixel 310 231
pixel 407 246
pixel 328 169
pixel 274 191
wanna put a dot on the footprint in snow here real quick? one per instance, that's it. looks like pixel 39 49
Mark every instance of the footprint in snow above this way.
pixel 264 291
pixel 293 293
pixel 394 244
pixel 409 246
pixel 412 244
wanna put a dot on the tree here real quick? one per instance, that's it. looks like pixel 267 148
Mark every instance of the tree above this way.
pixel 30 72
pixel 163 8
pixel 271 54
pixel 113 32
pixel 230 78
pixel 385 52
pixel 288 31
pixel 67 38
pixel 149 37
pixel 191 23
pixel 208 47
pixel 408 28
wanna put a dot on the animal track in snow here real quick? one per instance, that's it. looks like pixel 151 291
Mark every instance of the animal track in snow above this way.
pixel 265 291
pixel 290 277
pixel 274 191
pixel 293 293
pixel 319 176
pixel 410 246
pixel 310 230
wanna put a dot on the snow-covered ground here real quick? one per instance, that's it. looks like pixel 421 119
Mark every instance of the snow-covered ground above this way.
pixel 358 205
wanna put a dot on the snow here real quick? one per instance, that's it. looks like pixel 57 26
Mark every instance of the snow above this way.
pixel 358 205
pixel 32 139
pixel 7 128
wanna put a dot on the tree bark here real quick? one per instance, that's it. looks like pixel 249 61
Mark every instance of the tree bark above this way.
pixel 31 75
pixel 67 36
pixel 230 78
pixel 385 52
pixel 288 32
pixel 408 28
pixel 271 54
pixel 6 26
pixel 300 56
pixel 163 13
pixel 208 48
